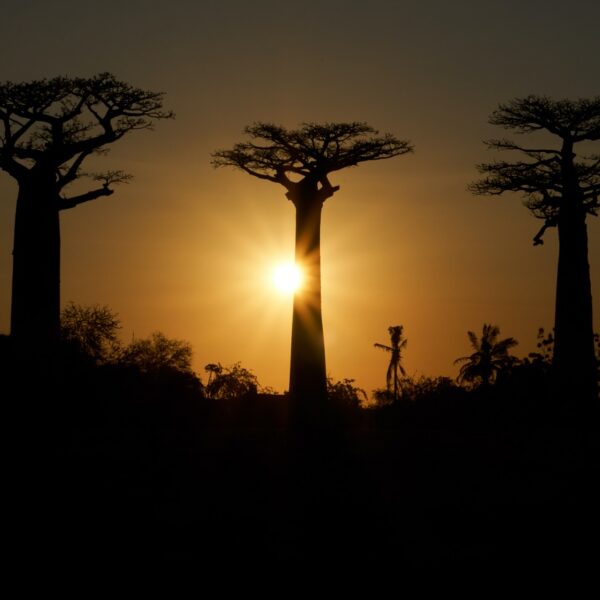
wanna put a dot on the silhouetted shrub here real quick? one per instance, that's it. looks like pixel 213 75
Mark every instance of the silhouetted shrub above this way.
pixel 158 353
pixel 90 331
pixel 231 382
pixel 345 394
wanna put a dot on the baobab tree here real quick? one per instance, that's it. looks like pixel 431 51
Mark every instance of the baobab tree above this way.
pixel 397 343
pixel 48 128
pixel 301 160
pixel 561 188
pixel 490 356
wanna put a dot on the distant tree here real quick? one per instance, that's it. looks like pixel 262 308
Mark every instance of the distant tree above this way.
pixel 92 330
pixel 423 387
pixel 562 189
pixel 301 160
pixel 231 382
pixel 490 357
pixel 158 353
pixel 345 393
pixel 397 344
pixel 418 390
pixel 48 128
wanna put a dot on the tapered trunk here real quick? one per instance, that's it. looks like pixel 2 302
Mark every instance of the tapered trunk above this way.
pixel 35 309
pixel 308 381
pixel 574 361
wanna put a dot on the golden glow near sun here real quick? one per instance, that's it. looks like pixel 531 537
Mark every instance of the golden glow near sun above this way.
pixel 287 277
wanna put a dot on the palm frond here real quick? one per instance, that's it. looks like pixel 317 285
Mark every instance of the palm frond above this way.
pixel 473 339
pixel 383 347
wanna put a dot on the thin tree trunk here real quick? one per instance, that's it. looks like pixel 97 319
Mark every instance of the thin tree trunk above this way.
pixel 308 379
pixel 574 361
pixel 35 308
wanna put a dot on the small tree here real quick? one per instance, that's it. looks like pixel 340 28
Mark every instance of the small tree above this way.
pixel 346 393
pixel 426 388
pixel 398 343
pixel 158 353
pixel 490 357
pixel 230 383
pixel 92 330
pixel 48 128
pixel 301 160
pixel 562 189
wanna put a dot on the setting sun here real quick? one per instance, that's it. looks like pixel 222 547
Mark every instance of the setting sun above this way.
pixel 287 277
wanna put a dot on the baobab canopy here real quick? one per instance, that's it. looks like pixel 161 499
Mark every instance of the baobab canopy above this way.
pixel 309 152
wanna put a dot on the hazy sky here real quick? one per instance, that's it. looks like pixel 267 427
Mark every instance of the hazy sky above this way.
pixel 186 249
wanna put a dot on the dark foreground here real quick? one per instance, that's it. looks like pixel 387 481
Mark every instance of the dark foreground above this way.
pixel 396 490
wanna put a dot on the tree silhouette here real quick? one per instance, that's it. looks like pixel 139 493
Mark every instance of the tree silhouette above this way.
pixel 48 128
pixel 561 190
pixel 398 343
pixel 490 356
pixel 91 330
pixel 158 353
pixel 301 160
pixel 346 393
pixel 231 382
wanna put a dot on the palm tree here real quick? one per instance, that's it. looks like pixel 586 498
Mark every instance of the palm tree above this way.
pixel 490 356
pixel 398 343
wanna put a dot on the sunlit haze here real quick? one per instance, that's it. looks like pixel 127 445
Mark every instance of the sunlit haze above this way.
pixel 189 250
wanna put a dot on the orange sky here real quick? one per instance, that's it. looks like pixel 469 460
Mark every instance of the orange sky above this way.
pixel 185 249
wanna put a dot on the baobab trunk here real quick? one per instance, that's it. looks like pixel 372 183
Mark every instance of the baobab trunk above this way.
pixel 308 380
pixel 35 308
pixel 574 360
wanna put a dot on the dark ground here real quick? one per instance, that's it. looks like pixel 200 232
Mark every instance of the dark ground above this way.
pixel 402 496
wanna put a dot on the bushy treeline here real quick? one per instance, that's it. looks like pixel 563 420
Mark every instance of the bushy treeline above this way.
pixel 143 459
pixel 144 393
pixel 148 387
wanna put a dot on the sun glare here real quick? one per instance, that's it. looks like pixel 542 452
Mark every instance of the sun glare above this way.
pixel 287 278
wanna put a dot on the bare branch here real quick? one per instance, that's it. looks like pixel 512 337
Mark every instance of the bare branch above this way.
pixel 111 177
pixel 107 179
pixel 538 238
pixel 66 203
pixel 72 171
pixel 383 347
pixel 537 153
pixel 327 190
pixel 12 167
